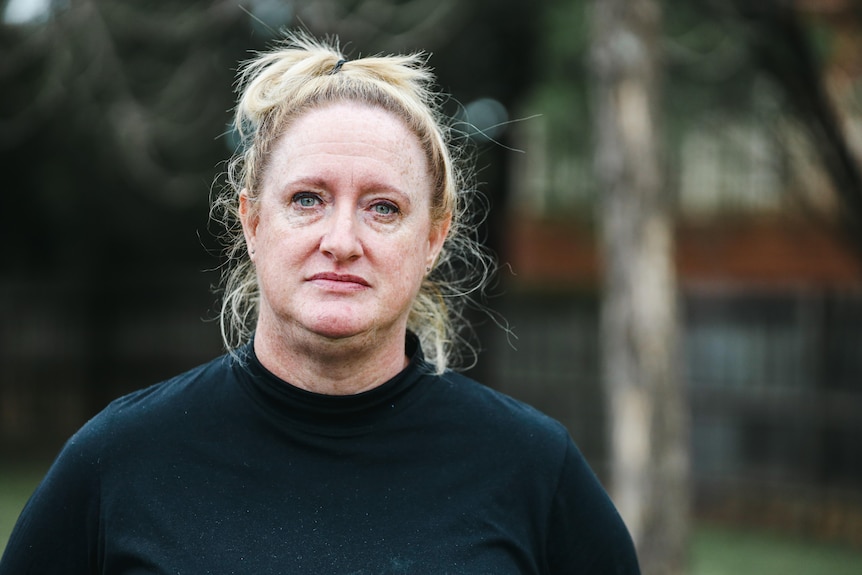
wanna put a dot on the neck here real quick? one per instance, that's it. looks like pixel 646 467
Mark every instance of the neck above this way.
pixel 344 366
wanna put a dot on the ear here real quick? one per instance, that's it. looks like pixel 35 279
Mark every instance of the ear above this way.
pixel 439 232
pixel 249 218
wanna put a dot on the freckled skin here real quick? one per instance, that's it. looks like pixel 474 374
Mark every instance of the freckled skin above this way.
pixel 341 235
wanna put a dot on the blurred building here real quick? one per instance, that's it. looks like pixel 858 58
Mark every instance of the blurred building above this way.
pixel 770 292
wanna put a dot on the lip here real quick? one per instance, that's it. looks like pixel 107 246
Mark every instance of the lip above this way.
pixel 337 280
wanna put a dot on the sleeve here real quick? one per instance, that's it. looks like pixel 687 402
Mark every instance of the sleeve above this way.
pixel 58 530
pixel 586 533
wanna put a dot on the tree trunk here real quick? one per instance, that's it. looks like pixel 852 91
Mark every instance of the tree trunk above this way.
pixel 648 410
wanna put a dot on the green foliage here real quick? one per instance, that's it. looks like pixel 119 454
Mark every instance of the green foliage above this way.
pixel 710 78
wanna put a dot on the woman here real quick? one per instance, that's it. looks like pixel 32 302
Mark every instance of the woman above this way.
pixel 332 439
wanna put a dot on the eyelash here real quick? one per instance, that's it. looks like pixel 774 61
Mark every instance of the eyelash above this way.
pixel 393 209
pixel 297 199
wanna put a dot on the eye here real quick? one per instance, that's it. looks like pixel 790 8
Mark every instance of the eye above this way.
pixel 384 208
pixel 306 200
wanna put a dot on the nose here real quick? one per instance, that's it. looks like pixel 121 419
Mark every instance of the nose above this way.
pixel 340 239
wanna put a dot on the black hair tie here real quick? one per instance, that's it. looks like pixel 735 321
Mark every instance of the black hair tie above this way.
pixel 338 66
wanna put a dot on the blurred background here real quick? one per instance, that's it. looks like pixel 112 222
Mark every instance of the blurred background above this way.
pixel 114 126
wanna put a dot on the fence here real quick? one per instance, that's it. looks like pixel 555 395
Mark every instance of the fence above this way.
pixel 67 348
pixel 775 387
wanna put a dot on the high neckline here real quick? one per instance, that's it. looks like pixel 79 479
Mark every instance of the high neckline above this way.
pixel 332 414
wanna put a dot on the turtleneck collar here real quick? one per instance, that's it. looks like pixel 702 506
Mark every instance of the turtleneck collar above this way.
pixel 332 414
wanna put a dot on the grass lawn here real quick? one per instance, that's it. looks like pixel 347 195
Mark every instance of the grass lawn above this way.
pixel 16 484
pixel 725 551
pixel 714 550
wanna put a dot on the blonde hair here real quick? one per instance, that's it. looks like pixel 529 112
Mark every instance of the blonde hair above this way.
pixel 300 74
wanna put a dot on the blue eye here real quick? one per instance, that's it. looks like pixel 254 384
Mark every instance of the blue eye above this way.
pixel 384 209
pixel 306 200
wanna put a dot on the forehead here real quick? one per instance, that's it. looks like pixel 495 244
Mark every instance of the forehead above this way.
pixel 347 134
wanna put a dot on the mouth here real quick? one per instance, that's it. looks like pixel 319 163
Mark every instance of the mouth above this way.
pixel 339 281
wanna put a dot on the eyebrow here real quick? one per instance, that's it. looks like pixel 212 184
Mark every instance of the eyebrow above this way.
pixel 311 182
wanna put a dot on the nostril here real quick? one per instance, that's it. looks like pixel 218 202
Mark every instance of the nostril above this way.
pixel 341 241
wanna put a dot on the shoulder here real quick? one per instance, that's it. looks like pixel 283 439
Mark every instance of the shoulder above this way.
pixel 175 393
pixel 150 412
pixel 535 456
pixel 63 518
pixel 495 406
pixel 482 413
pixel 587 532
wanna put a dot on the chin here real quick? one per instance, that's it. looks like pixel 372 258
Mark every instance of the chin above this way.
pixel 341 327
pixel 338 328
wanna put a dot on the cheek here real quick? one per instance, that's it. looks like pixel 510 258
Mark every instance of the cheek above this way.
pixel 277 232
pixel 410 257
